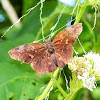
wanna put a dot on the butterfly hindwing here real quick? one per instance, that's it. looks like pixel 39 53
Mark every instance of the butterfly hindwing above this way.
pixel 43 63
pixel 25 52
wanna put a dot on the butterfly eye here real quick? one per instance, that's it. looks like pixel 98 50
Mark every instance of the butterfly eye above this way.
pixel 51 50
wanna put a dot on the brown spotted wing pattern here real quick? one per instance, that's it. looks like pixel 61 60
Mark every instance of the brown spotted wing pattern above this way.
pixel 34 54
pixel 45 58
pixel 64 42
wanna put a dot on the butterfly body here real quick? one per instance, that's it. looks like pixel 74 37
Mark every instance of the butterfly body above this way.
pixel 45 58
pixel 49 46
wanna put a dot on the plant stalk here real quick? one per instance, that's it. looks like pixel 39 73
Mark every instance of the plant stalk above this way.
pixel 43 95
pixel 58 86
pixel 80 12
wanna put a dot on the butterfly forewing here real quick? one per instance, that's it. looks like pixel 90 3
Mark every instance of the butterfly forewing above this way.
pixel 34 54
pixel 64 41
pixel 25 52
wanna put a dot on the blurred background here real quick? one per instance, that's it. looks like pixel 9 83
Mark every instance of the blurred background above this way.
pixel 18 81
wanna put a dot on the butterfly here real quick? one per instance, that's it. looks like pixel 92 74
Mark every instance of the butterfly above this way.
pixel 45 58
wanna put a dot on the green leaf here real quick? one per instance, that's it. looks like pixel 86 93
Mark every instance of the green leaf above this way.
pixel 17 84
pixel 96 93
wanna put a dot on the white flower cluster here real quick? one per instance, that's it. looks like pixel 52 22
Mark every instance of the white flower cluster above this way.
pixel 96 60
pixel 88 82
pixel 86 68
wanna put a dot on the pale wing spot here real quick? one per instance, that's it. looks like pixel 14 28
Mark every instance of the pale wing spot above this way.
pixel 33 63
pixel 35 50
pixel 31 55
pixel 50 63
pixel 59 58
pixel 19 49
pixel 76 35
pixel 23 48
pixel 28 49
pixel 61 35
pixel 66 41
pixel 32 47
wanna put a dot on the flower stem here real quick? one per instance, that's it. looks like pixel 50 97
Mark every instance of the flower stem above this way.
pixel 81 12
pixel 91 32
pixel 58 86
pixel 43 95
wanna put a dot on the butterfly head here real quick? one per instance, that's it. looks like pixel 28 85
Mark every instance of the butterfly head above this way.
pixel 49 46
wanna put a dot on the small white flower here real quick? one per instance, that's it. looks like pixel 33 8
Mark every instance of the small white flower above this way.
pixel 72 66
pixel 88 82
pixel 77 63
pixel 96 60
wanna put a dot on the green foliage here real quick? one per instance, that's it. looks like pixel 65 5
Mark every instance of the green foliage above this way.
pixel 96 94
pixel 18 81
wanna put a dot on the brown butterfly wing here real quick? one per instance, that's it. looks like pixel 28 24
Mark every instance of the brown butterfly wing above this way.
pixel 34 54
pixel 64 41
